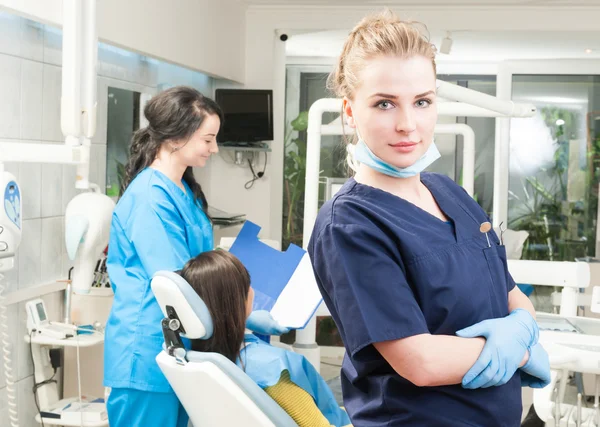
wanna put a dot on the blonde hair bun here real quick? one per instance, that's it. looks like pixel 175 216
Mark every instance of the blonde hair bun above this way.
pixel 379 34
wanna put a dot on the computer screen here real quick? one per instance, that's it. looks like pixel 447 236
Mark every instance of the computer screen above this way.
pixel 41 312
pixel 248 115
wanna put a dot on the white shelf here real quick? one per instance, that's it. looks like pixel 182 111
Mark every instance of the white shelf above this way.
pixel 59 422
pixel 100 292
pixel 244 148
pixel 82 340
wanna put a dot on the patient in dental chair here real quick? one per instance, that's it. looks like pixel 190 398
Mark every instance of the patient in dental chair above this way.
pixel 223 282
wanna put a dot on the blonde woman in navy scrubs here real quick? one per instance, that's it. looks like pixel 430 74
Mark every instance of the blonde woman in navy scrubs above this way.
pixel 435 330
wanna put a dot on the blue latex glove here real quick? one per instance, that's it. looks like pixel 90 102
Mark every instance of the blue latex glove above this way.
pixel 261 322
pixel 536 372
pixel 507 340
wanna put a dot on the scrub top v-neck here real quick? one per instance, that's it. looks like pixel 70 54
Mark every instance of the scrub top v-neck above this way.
pixel 388 270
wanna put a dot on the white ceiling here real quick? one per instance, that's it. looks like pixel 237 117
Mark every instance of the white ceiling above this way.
pixel 470 46
pixel 425 2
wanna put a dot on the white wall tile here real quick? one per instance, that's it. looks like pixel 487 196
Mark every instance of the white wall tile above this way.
pixel 10 93
pixel 110 64
pixel 51 130
pixel 203 83
pixel 98 166
pixel 52 236
pixel 52 45
pixel 66 261
pixel 10 32
pixel 32 77
pixel 30 180
pixel 27 407
pixel 4 420
pixel 149 71
pixel 69 174
pixel 12 168
pixel 102 111
pixel 32 40
pixel 52 184
pixel 24 363
pixel 120 64
pixel 30 253
pixel 10 282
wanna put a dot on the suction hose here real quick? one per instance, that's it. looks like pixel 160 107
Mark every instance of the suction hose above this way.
pixel 11 392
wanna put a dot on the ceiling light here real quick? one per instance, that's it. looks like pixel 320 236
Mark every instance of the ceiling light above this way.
pixel 446 44
pixel 588 51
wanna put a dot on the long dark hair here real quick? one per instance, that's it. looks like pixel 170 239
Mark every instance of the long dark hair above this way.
pixel 222 281
pixel 174 114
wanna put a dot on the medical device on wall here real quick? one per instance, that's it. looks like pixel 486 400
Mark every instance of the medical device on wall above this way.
pixel 87 229
pixel 36 315
pixel 38 323
pixel 10 219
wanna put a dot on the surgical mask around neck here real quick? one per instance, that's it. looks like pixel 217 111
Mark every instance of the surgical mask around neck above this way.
pixel 363 154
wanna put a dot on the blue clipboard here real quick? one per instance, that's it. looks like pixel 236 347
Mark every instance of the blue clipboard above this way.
pixel 272 270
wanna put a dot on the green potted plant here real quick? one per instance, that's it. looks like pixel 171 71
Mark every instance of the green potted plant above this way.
pixel 294 174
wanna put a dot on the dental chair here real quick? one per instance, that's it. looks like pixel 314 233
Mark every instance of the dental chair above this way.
pixel 212 389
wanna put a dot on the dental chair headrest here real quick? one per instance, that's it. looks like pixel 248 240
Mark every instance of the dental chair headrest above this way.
pixel 173 292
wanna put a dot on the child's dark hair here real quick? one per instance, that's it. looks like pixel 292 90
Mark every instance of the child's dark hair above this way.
pixel 222 281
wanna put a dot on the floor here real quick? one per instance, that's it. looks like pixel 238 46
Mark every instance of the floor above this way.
pixel 330 371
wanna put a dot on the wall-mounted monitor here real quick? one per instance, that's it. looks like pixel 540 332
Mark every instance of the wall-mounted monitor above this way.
pixel 248 115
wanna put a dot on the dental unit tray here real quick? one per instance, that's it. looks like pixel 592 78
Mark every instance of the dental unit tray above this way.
pixel 572 343
pixel 557 324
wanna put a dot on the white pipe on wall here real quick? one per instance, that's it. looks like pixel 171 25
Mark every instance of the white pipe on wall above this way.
pixel 469 96
pixel 70 102
pixel 313 161
pixel 502 151
pixel 40 153
pixel 88 102
pixel 461 109
pixel 468 178
pixel 305 338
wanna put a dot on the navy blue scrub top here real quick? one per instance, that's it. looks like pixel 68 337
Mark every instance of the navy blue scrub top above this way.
pixel 389 270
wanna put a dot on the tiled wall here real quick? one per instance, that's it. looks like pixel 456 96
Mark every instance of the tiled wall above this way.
pixel 30 89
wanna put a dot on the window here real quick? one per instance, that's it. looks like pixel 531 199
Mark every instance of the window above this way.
pixel 555 166
pixel 123 121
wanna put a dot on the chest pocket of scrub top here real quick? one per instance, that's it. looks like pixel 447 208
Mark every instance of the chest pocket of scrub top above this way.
pixel 496 260
pixel 453 287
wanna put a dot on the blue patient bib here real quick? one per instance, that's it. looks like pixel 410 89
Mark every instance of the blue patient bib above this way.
pixel 265 364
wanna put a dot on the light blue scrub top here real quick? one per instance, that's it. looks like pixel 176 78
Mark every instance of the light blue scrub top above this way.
pixel 155 226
